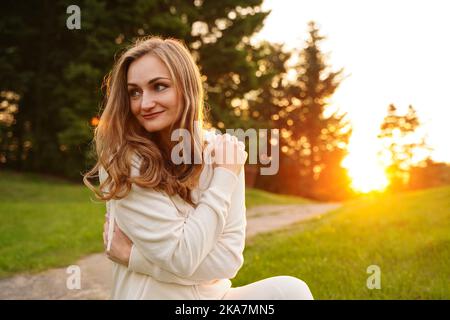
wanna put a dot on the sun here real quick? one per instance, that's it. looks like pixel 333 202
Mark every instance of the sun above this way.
pixel 366 175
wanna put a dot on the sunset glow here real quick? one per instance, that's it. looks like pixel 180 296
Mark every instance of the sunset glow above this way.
pixel 387 61
pixel 366 175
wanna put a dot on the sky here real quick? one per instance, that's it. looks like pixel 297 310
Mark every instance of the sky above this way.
pixel 393 51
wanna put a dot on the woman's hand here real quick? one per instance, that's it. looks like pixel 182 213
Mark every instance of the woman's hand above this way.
pixel 229 153
pixel 120 249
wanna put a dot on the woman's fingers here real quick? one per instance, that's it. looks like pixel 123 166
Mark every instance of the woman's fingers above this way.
pixel 120 235
pixel 229 153
pixel 117 229
pixel 226 137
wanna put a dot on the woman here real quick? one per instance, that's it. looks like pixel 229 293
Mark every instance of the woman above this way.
pixel 174 231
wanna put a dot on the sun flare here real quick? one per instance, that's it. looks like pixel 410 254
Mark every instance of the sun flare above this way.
pixel 366 175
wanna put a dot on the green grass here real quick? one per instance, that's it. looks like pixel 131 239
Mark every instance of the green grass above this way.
pixel 256 197
pixel 407 236
pixel 47 222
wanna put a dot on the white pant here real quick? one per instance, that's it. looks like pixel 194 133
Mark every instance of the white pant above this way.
pixel 274 288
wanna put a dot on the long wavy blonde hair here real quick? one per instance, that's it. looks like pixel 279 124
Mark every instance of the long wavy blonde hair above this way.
pixel 119 135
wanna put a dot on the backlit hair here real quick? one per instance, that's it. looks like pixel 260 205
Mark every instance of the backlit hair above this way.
pixel 119 136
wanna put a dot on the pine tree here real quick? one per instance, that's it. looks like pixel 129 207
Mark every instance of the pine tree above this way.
pixel 314 142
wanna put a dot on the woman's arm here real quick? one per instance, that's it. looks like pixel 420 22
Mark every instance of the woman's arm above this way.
pixel 233 233
pixel 170 240
pixel 225 259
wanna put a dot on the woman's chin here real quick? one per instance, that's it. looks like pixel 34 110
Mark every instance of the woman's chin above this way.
pixel 154 126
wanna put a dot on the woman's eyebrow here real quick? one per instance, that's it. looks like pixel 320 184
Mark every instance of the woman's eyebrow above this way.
pixel 149 82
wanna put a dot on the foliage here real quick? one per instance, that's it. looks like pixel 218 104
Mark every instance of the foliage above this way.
pixel 57 72
pixel 399 136
pixel 313 141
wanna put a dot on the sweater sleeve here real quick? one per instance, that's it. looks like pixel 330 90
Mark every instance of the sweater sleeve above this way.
pixel 227 256
pixel 170 240
pixel 224 260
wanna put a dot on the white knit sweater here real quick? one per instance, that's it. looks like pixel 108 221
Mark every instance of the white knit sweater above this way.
pixel 180 251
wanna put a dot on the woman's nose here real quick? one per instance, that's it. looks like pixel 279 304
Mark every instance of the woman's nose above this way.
pixel 148 101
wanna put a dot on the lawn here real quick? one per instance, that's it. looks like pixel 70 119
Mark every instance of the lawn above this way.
pixel 256 197
pixel 47 222
pixel 407 236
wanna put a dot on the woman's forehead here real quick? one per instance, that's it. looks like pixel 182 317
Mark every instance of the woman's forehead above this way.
pixel 147 68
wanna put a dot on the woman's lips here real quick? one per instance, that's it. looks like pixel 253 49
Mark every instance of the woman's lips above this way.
pixel 153 115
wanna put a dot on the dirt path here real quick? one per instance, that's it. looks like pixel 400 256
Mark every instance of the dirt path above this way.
pixel 272 217
pixel 95 268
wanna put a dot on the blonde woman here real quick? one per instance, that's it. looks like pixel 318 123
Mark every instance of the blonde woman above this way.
pixel 173 231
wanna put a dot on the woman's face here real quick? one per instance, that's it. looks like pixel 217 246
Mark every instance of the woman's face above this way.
pixel 154 99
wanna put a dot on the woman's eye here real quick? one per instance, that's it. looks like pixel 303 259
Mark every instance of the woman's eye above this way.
pixel 160 87
pixel 134 93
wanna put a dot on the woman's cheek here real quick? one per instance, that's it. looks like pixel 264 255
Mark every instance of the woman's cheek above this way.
pixel 134 107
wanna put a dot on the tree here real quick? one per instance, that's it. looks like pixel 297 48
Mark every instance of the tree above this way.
pixel 221 38
pixel 57 72
pixel 401 142
pixel 312 142
pixel 428 174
